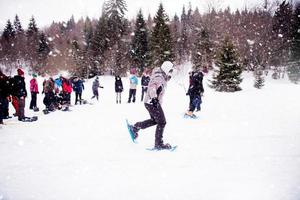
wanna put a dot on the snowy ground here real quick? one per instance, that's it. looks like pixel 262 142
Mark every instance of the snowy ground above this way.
pixel 244 146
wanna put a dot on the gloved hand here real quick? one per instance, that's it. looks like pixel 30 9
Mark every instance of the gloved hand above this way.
pixel 155 102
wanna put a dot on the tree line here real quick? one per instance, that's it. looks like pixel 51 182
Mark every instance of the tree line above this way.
pixel 260 40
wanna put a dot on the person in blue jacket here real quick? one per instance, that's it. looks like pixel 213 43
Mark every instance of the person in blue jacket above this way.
pixel 78 87
pixel 133 84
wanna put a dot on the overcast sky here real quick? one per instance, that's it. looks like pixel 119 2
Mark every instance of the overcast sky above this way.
pixel 46 11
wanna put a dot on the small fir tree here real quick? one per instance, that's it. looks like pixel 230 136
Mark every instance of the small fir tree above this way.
pixel 161 41
pixel 139 46
pixel 259 78
pixel 227 77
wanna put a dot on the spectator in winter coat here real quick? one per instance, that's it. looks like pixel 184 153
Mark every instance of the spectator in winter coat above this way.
pixel 21 93
pixel 145 81
pixel 195 92
pixel 95 87
pixel 13 97
pixel 66 92
pixel 4 96
pixel 153 101
pixel 78 87
pixel 133 84
pixel 49 99
pixel 118 88
pixel 34 90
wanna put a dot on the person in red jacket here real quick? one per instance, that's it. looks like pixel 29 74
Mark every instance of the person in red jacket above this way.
pixel 66 91
pixel 34 90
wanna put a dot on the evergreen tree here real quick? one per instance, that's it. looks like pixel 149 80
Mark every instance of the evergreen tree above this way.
pixel 88 64
pixel 9 32
pixel 202 53
pixel 184 50
pixel 175 30
pixel 259 78
pixel 294 64
pixel 100 43
pixel 42 52
pixel 139 45
pixel 161 41
pixel 227 77
pixel 18 26
pixel 32 42
pixel 115 11
pixel 282 23
pixel 20 38
pixel 8 44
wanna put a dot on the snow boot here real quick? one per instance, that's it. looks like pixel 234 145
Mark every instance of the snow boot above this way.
pixel 162 146
pixel 134 130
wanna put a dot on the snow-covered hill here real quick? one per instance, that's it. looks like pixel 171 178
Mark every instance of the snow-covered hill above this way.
pixel 244 146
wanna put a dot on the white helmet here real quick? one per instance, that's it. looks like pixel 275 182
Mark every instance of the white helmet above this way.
pixel 167 67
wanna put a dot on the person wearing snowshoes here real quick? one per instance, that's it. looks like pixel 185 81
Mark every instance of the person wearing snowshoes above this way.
pixel 118 88
pixel 95 87
pixel 4 96
pixel 34 90
pixel 133 80
pixel 195 92
pixel 153 100
pixel 66 92
pixel 145 81
pixel 21 93
pixel 78 87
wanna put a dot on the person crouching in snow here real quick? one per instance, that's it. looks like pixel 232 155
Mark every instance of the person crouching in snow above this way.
pixel 153 100
pixel 95 87
pixel 34 90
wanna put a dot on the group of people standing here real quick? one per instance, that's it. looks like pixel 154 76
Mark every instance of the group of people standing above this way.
pixel 153 90
pixel 13 89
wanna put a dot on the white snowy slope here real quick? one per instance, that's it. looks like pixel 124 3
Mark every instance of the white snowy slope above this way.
pixel 244 146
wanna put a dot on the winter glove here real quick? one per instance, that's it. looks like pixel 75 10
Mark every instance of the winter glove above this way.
pixel 155 102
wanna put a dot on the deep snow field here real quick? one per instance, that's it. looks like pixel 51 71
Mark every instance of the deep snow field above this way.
pixel 243 146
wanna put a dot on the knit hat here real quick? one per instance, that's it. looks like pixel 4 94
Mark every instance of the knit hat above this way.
pixel 20 72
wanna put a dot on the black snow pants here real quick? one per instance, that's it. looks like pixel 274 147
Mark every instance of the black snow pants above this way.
pixel 157 117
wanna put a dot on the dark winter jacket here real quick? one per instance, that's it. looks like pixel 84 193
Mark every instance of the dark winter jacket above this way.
pixel 196 86
pixel 19 86
pixel 118 84
pixel 145 81
pixel 78 86
pixel 4 86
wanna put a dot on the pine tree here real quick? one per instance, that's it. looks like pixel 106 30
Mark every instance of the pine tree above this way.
pixel 20 38
pixel 115 11
pixel 32 35
pixel 259 78
pixel 42 52
pixel 9 32
pixel 87 64
pixel 17 25
pixel 282 23
pixel 175 30
pixel 227 77
pixel 184 50
pixel 293 70
pixel 161 41
pixel 139 45
pixel 202 53
pixel 8 44
pixel 99 43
